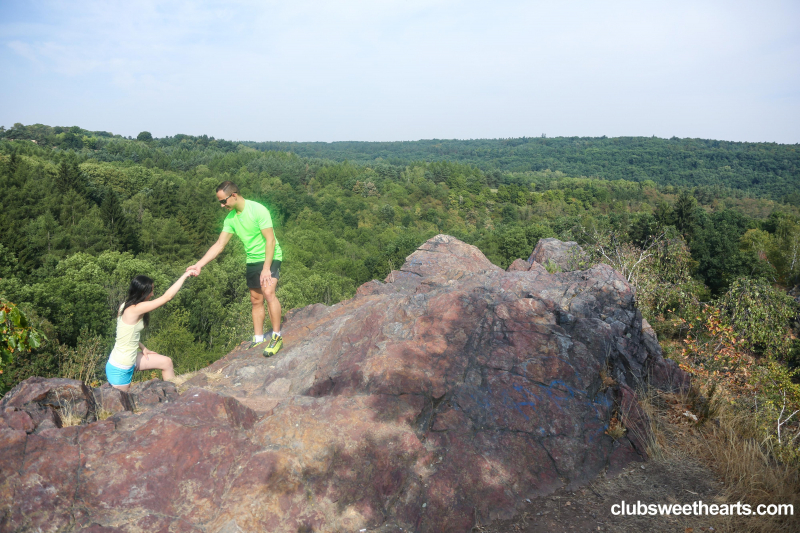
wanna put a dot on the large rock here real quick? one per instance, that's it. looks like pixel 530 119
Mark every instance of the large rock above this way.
pixel 446 395
pixel 48 403
pixel 558 255
pixel 38 403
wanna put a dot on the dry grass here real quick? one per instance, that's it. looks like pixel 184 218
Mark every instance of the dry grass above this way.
pixel 727 445
pixel 69 419
pixel 751 474
pixel 66 412
pixel 183 378
pixel 615 428
pixel 101 412
pixel 211 377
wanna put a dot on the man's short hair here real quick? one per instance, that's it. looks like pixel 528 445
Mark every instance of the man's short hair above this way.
pixel 228 187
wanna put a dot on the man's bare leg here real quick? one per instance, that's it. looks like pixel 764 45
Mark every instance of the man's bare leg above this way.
pixel 273 305
pixel 257 301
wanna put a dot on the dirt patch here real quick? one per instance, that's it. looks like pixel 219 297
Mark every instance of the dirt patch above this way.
pixel 589 508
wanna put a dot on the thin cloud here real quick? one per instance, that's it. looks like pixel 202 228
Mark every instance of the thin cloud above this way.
pixel 23 49
pixel 407 70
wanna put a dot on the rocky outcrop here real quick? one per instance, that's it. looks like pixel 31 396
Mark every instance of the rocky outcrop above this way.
pixel 559 255
pixel 39 403
pixel 446 395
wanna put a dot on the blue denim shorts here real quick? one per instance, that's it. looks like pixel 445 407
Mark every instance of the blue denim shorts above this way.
pixel 119 376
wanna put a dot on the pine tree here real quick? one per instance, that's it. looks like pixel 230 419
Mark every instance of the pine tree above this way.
pixel 685 214
pixel 69 177
pixel 121 232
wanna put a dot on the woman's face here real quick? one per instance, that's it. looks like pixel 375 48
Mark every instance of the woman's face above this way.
pixel 150 295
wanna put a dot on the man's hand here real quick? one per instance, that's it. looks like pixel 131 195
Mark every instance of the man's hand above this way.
pixel 194 269
pixel 266 278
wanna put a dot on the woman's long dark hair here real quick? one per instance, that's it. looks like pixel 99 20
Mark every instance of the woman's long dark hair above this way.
pixel 140 289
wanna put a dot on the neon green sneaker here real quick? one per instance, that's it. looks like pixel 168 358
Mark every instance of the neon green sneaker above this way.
pixel 253 343
pixel 275 344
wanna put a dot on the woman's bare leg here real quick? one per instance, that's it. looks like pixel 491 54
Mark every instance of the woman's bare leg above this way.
pixel 155 361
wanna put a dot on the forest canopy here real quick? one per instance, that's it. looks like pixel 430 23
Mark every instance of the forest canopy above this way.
pixel 84 211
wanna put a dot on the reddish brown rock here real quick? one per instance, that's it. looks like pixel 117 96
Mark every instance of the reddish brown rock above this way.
pixel 665 374
pixel 450 392
pixel 564 256
pixel 520 265
pixel 633 419
pixel 49 403
pixel 150 393
pixel 38 404
pixel 111 399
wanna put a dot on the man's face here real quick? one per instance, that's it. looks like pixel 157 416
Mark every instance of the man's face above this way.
pixel 226 200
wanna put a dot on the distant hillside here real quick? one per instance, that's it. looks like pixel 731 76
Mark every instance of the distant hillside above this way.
pixel 763 169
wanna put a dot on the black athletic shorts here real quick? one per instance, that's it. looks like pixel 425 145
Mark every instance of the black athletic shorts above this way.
pixel 254 273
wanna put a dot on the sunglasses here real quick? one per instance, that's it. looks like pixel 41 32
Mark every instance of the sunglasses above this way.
pixel 225 201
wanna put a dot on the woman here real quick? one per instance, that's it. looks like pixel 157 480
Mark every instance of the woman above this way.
pixel 129 354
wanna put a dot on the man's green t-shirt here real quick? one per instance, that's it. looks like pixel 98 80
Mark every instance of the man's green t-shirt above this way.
pixel 247 225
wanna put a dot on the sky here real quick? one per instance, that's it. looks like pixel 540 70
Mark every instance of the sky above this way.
pixel 405 70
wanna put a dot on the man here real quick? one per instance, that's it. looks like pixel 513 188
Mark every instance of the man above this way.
pixel 252 222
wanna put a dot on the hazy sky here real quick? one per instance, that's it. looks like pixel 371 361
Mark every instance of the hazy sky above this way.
pixel 405 70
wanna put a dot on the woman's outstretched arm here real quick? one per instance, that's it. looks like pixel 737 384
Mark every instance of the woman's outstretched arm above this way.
pixel 146 307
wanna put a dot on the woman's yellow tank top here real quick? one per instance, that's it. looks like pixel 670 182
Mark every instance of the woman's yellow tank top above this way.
pixel 127 345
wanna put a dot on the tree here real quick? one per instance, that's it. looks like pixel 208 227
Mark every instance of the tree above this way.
pixel 658 268
pixel 760 315
pixel 509 214
pixel 64 177
pixel 115 220
pixel 16 336
pixel 8 262
pixel 172 242
pixel 664 214
pixel 387 213
pixel 685 214
pixel 514 245
pixel 716 247
pixel 145 136
pixel 41 235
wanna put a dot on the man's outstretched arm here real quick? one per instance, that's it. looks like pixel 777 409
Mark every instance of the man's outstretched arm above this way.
pixel 212 252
